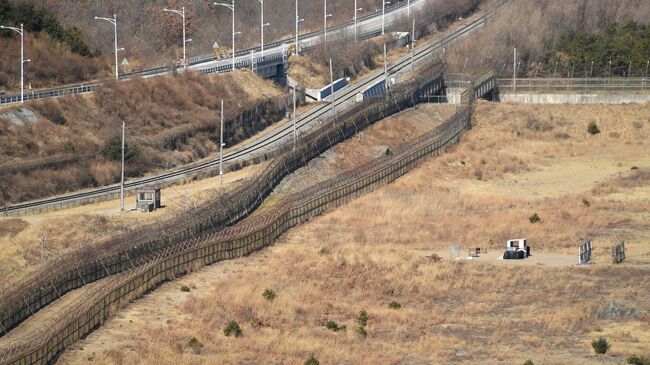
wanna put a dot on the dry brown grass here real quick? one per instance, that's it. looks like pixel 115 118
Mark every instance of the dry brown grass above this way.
pixel 172 121
pixel 51 64
pixel 371 252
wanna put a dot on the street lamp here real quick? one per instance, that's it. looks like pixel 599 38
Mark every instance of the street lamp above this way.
pixel 231 7
pixel 383 15
pixel 355 19
pixel 20 31
pixel 298 20
pixel 262 25
pixel 325 16
pixel 114 22
pixel 182 14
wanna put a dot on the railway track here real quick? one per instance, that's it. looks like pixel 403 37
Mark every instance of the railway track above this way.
pixel 343 97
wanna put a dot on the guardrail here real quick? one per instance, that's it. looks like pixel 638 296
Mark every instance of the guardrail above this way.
pixel 585 84
pixel 79 89
pixel 253 234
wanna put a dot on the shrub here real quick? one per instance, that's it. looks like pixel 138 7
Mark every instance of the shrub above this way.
pixel 529 362
pixel 51 110
pixel 232 329
pixel 269 294
pixel 388 152
pixel 195 345
pixel 600 345
pixel 534 218
pixel 363 321
pixel 331 325
pixel 634 168
pixel 69 147
pixel 185 288
pixel 586 202
pixel 638 360
pixel 312 361
pixel 394 305
pixel 112 150
pixel 592 128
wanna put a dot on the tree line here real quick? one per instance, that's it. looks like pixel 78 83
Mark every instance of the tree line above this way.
pixel 39 19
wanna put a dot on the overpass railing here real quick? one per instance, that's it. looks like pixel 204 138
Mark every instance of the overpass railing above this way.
pixel 580 84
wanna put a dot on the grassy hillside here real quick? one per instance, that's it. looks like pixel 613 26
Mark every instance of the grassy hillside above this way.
pixel 58 54
pixel 69 142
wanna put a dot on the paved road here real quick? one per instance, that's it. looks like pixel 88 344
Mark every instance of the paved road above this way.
pixel 283 133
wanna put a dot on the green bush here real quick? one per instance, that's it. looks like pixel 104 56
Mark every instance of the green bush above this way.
pixel 529 362
pixel 638 360
pixel 185 288
pixel 394 305
pixel 69 147
pixel 112 150
pixel 586 202
pixel 592 128
pixel 363 321
pixel 233 329
pixel 312 361
pixel 534 218
pixel 269 294
pixel 600 345
pixel 195 345
pixel 331 325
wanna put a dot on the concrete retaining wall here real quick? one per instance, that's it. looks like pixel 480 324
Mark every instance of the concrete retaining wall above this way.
pixel 556 98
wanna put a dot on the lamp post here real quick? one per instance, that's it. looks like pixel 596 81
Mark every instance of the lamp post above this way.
pixel 182 14
pixel 231 7
pixel 262 25
pixel 20 31
pixel 325 16
pixel 356 9
pixel 298 20
pixel 383 15
pixel 114 22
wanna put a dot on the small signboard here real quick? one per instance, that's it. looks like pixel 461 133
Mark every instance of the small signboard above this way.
pixel 455 251
pixel 125 62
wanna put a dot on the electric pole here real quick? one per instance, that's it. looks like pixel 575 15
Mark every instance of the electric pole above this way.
pixel 221 146
pixel 295 135
pixel 122 182
pixel 385 70
pixel 332 90
pixel 43 239
pixel 514 71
